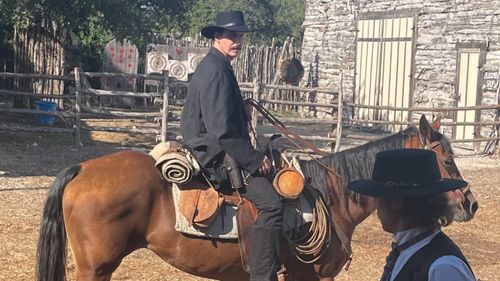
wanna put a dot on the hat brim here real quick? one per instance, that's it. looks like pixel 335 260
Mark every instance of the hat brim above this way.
pixel 209 30
pixel 375 189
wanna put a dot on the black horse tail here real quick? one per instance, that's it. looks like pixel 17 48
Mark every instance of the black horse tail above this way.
pixel 51 251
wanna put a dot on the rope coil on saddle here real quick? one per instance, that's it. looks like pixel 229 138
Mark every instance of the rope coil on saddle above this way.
pixel 309 245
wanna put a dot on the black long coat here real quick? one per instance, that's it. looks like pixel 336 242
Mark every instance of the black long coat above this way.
pixel 214 119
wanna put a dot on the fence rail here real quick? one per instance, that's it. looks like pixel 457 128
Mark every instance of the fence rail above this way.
pixel 66 116
pixel 167 92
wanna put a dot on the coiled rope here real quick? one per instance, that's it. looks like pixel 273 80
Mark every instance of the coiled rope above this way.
pixel 309 245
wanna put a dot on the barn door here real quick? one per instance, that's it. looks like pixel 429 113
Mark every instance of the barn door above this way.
pixel 468 91
pixel 384 63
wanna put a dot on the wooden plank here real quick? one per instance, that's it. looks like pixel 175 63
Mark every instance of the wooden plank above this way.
pixel 124 130
pixel 119 113
pixel 283 102
pixel 15 128
pixel 78 108
pixel 59 114
pixel 35 76
pixel 338 135
pixel 474 140
pixel 332 91
pixel 121 93
pixel 35 95
pixel 124 75
pixel 313 138
pixel 432 109
pixel 164 111
pixel 308 121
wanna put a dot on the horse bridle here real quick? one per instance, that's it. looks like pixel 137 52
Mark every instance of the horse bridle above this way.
pixel 433 145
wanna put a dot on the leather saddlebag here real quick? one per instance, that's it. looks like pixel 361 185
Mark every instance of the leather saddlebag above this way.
pixel 200 206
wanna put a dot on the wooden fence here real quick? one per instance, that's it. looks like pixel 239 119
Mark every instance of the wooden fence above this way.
pixel 478 125
pixel 72 117
pixel 67 116
pixel 39 49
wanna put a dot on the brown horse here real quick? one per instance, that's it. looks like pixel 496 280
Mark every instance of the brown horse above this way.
pixel 113 205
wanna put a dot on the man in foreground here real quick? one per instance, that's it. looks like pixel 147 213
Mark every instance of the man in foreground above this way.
pixel 412 205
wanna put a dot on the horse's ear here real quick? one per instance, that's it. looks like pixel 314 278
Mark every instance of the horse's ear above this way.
pixel 425 128
pixel 437 123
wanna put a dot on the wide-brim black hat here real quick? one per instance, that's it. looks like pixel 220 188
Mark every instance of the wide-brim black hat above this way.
pixel 230 20
pixel 402 173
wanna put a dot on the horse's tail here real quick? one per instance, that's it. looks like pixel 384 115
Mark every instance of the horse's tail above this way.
pixel 51 251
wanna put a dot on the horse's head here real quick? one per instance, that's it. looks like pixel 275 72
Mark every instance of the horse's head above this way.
pixel 429 137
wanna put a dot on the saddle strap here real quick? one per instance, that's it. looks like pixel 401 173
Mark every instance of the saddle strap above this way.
pixel 245 216
pixel 195 208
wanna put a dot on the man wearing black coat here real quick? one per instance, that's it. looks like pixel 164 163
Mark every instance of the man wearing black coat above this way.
pixel 214 123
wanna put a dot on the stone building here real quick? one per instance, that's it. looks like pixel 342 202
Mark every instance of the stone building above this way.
pixel 417 53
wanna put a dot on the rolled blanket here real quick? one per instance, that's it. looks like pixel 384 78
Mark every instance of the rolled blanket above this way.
pixel 175 163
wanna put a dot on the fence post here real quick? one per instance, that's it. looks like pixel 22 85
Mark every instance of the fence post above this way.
pixel 339 114
pixel 78 100
pixel 164 117
pixel 257 89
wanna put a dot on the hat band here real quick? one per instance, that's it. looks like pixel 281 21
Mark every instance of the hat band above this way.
pixel 229 25
pixel 391 184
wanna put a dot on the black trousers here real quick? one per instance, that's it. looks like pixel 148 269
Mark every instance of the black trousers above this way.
pixel 265 255
pixel 265 250
pixel 268 202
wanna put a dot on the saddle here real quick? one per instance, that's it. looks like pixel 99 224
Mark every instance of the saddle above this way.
pixel 200 204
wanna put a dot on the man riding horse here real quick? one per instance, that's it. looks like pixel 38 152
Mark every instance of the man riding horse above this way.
pixel 214 126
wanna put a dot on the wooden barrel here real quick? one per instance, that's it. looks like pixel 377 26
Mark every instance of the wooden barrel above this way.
pixel 289 183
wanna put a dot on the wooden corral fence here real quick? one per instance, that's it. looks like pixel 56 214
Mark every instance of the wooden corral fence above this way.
pixel 66 115
pixel 87 108
pixel 39 49
pixel 168 91
pixel 432 110
pixel 260 92
pixel 72 116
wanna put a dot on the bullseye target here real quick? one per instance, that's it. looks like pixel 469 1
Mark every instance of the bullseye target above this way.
pixel 178 70
pixel 157 62
pixel 193 61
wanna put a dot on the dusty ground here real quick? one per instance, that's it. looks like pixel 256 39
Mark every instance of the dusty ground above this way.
pixel 29 162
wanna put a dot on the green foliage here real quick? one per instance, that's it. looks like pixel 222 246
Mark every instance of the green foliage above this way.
pixel 289 18
pixel 96 22
pixel 270 18
pixel 92 39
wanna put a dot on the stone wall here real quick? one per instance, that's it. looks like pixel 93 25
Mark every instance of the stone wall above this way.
pixel 330 31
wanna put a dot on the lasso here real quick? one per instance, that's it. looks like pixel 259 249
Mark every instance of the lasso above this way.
pixel 309 246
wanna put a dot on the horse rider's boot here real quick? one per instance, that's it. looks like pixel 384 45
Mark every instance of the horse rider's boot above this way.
pixel 265 255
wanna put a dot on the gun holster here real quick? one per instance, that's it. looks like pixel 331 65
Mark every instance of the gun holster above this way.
pixel 233 171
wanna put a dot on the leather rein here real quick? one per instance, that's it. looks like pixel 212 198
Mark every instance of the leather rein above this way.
pixel 311 249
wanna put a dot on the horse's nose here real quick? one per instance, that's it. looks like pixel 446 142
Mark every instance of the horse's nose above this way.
pixel 470 204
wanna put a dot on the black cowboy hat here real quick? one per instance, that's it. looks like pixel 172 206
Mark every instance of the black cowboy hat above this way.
pixel 230 20
pixel 405 173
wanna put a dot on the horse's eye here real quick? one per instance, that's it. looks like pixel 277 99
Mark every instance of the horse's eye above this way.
pixel 448 162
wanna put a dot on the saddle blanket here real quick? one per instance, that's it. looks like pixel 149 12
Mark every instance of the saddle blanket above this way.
pixel 224 226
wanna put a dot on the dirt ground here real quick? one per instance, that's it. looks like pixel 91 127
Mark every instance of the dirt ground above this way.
pixel 29 162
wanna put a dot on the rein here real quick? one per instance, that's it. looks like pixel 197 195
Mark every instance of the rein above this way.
pixel 319 232
pixel 293 136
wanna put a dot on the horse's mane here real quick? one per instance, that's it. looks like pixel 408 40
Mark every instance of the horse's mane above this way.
pixel 351 164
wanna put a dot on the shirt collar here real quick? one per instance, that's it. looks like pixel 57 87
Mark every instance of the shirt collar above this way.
pixel 405 235
pixel 214 51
